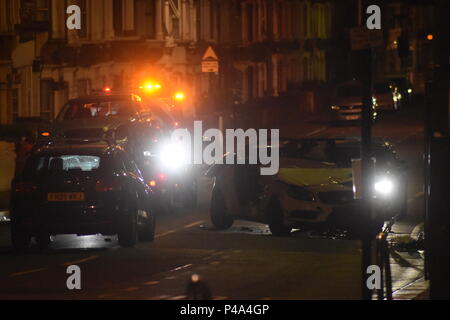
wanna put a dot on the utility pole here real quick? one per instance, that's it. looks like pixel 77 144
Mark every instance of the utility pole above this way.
pixel 363 40
pixel 437 153
pixel 367 174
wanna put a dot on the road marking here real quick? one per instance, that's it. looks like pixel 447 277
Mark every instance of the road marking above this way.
pixel 220 298
pixel 170 278
pixel 151 283
pixel 165 234
pixel 16 274
pixel 316 131
pixel 80 261
pixel 193 224
pixel 131 289
pixel 181 268
pixel 178 298
pixel 202 268
pixel 105 295
pixel 161 297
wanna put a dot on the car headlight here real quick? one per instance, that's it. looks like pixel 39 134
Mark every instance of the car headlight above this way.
pixel 335 108
pixel 384 186
pixel 174 156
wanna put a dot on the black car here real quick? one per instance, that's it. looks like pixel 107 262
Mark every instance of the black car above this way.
pixel 81 189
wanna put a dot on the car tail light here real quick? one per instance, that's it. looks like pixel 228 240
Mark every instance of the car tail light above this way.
pixel 106 186
pixel 45 134
pixel 24 187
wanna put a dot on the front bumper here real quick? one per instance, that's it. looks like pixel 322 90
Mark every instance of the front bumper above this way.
pixel 81 219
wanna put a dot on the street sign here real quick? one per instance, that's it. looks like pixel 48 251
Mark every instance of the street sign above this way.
pixel 210 61
pixel 363 38
pixel 210 66
pixel 210 54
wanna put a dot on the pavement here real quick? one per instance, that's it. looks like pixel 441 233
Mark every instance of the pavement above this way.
pixel 407 266
pixel 244 262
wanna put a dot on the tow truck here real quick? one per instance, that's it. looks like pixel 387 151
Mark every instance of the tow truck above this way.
pixel 143 124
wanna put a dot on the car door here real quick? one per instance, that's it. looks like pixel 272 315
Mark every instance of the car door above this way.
pixel 137 183
pixel 247 187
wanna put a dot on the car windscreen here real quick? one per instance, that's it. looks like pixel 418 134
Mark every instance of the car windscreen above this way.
pixel 160 109
pixel 62 163
pixel 98 109
pixel 348 91
pixel 317 150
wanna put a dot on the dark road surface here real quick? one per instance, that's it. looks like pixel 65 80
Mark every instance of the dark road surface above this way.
pixel 245 262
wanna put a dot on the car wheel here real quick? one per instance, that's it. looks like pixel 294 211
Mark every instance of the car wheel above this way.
pixel 147 230
pixel 20 238
pixel 219 214
pixel 275 219
pixel 128 229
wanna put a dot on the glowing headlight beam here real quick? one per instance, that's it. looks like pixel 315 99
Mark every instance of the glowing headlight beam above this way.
pixel 173 156
pixel 384 186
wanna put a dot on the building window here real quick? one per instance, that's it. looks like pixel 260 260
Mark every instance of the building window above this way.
pixel 249 22
pixel 145 18
pixel 250 83
pixel 47 99
pixel 34 11
pixel 83 87
pixel 117 16
pixel 42 11
pixel 14 104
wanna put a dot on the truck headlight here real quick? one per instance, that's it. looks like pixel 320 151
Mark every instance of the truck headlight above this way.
pixel 384 186
pixel 174 156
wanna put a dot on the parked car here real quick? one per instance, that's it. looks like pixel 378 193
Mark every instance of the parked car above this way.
pixel 81 189
pixel 297 197
pixel 347 102
pixel 313 189
pixel 388 96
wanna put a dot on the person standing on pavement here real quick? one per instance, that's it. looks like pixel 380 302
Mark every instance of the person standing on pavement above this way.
pixel 23 151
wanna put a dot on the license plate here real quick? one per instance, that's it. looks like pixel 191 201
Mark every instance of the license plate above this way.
pixel 65 196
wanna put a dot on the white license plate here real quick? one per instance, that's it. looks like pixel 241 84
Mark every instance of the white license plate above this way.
pixel 65 196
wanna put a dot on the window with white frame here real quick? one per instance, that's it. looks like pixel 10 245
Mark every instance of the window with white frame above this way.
pixel 46 99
